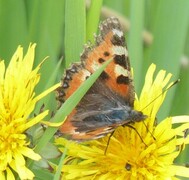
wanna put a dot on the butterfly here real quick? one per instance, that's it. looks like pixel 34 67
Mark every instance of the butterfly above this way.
pixel 108 104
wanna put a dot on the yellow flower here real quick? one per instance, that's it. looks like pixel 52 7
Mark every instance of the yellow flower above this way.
pixel 17 101
pixel 148 154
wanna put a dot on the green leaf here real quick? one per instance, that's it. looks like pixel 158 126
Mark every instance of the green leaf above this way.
pixel 49 101
pixel 93 16
pixel 135 41
pixel 75 30
pixel 60 164
pixel 119 6
pixel 170 28
pixel 13 31
pixel 41 174
pixel 181 89
pixel 45 26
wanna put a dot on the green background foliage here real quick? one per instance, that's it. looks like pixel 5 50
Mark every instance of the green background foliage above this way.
pixel 156 32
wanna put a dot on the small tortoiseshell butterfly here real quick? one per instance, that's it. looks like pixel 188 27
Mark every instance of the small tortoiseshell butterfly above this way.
pixel 109 102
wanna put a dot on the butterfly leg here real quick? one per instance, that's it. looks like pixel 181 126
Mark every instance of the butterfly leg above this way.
pixel 128 125
pixel 109 138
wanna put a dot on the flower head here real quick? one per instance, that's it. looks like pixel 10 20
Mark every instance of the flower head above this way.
pixel 17 101
pixel 146 151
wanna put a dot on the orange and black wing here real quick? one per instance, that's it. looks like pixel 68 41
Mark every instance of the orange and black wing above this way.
pixel 109 102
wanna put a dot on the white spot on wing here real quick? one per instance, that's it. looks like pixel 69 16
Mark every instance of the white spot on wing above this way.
pixel 119 50
pixel 119 70
pixel 117 32
pixel 95 66
pixel 85 74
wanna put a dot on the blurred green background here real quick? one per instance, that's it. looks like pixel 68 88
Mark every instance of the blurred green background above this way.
pixel 156 32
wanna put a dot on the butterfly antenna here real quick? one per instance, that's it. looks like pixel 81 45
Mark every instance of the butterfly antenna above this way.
pixel 148 130
pixel 174 83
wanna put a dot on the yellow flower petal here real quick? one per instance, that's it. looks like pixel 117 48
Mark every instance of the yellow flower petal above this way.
pixel 130 156
pixel 24 173
pixel 34 120
pixel 30 153
pixel 180 171
pixel 52 124
pixel 2 175
pixel 180 119
pixel 10 175
pixel 17 102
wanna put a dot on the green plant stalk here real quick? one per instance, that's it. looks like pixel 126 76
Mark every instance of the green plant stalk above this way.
pixel 75 30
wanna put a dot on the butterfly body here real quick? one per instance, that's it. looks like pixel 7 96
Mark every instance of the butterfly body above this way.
pixel 109 102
